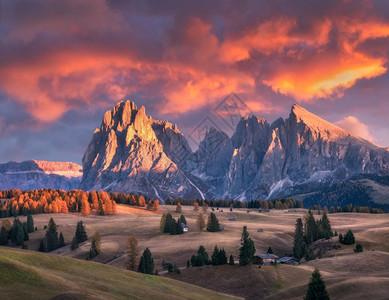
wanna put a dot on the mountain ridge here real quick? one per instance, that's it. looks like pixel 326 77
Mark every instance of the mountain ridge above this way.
pixel 260 160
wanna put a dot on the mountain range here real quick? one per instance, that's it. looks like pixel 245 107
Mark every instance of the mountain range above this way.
pixel 299 156
pixel 35 174
pixel 302 156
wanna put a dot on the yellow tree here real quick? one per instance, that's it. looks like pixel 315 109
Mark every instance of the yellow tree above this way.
pixel 133 253
pixel 201 221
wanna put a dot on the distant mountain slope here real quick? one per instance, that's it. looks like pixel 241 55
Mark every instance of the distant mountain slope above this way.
pixel 301 155
pixel 34 174
pixel 33 275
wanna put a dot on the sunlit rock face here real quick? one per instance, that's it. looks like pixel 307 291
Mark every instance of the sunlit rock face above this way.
pixel 34 174
pixel 131 152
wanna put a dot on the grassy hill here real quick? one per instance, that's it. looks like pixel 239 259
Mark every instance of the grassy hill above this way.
pixel 27 274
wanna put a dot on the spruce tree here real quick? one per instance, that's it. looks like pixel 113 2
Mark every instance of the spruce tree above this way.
pixel 326 231
pixel 42 245
pixel 213 223
pixel 74 244
pixel 179 229
pixel 51 236
pixel 3 236
pixel 222 257
pixel 142 265
pixel 247 249
pixel 148 262
pixel 349 238
pixel 316 288
pixel 215 256
pixel 269 250
pixel 80 234
pixel 231 261
pixel 183 220
pixel 19 235
pixel 298 243
pixel 30 224
pixel 61 241
pixel 310 228
pixel 204 255
pixel 25 231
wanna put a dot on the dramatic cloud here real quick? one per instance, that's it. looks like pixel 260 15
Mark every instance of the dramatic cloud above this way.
pixel 353 125
pixel 181 58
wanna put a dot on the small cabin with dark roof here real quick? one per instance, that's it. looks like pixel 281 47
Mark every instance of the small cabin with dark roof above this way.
pixel 288 261
pixel 232 219
pixel 265 259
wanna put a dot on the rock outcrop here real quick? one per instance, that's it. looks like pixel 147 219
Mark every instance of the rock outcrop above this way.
pixel 34 174
pixel 131 152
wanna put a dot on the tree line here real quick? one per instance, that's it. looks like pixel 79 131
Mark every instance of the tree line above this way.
pixel 55 201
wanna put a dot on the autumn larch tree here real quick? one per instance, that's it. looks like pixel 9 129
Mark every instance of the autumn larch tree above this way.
pixel 196 207
pixel 133 253
pixel 201 221
pixel 179 208
pixel 162 223
pixel 316 288
pixel 213 223
pixel 95 247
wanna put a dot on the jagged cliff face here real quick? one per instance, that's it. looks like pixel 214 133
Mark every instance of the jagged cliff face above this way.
pixel 134 153
pixel 34 174
pixel 126 155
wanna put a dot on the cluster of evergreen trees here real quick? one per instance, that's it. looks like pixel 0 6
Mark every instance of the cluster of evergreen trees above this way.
pixel 202 258
pixel 55 201
pixel 18 233
pixel 283 203
pixel 52 240
pixel 348 208
pixel 80 235
pixel 347 239
pixel 309 232
pixel 169 225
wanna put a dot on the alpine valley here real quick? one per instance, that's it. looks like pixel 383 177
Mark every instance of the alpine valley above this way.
pixel 303 156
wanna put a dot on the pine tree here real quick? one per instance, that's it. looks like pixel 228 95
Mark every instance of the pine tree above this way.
pixel 201 221
pixel 326 231
pixel 299 244
pixel 340 238
pixel 51 236
pixel 316 288
pixel 75 244
pixel 231 261
pixel 142 265
pixel 95 247
pixel 170 225
pixel 204 255
pixel 80 234
pixel 222 257
pixel 162 223
pixel 187 264
pixel 349 238
pixel 269 250
pixel 14 230
pixel 179 229
pixel 183 220
pixel 61 242
pixel 3 236
pixel 25 231
pixel 247 249
pixel 310 228
pixel 30 224
pixel 42 245
pixel 133 252
pixel 358 248
pixel 215 256
pixel 213 223
pixel 146 264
